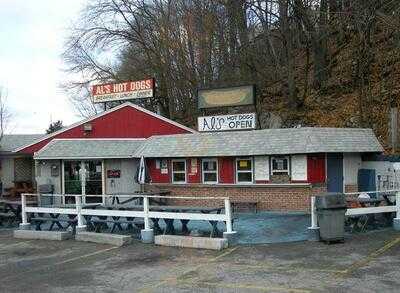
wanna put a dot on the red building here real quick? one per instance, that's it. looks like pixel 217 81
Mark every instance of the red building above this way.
pixel 277 169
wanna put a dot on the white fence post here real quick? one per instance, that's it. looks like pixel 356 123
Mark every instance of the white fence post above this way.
pixel 146 213
pixel 230 235
pixel 78 203
pixel 228 214
pixel 314 224
pixel 147 233
pixel 24 216
pixel 396 221
pixel 313 230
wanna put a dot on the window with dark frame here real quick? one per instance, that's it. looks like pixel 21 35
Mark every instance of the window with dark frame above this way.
pixel 210 171
pixel 280 165
pixel 244 170
pixel 178 171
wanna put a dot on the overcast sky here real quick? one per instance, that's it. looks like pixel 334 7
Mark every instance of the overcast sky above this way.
pixel 32 34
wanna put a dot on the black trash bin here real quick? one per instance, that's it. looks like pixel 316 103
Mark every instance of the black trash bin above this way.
pixel 331 210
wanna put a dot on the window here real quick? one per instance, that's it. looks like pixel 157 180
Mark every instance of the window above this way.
pixel 179 171
pixel 280 165
pixel 244 170
pixel 210 171
pixel 93 182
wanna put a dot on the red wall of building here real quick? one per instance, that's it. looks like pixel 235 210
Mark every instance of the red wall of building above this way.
pixel 126 122
pixel 193 177
pixel 316 168
pixel 155 173
pixel 226 170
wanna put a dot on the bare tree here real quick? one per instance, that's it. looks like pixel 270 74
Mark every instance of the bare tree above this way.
pixel 5 114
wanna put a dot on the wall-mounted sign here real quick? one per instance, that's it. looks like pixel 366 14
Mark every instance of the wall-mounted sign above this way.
pixel 227 122
pixel 127 90
pixel 164 166
pixel 113 173
pixel 233 96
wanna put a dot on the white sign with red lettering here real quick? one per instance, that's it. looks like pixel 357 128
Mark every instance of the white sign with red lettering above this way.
pixel 127 90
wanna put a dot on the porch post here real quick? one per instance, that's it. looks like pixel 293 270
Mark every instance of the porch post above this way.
pixel 103 181
pixel 24 225
pixel 396 221
pixel 147 233
pixel 313 231
pixel 79 199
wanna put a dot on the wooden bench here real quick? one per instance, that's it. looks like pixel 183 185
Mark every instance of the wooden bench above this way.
pixel 244 206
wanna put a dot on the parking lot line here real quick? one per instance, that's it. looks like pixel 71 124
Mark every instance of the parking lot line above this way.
pixel 237 286
pixel 46 267
pixel 365 261
pixel 86 255
pixel 165 281
pixel 14 244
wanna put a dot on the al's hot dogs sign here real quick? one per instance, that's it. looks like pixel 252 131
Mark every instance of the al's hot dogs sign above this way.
pixel 227 122
pixel 127 90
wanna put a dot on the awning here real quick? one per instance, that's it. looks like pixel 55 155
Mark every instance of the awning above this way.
pixel 89 149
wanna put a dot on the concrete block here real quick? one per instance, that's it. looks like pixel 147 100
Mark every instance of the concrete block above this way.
pixel 104 238
pixel 396 224
pixel 147 236
pixel 231 237
pixel 191 242
pixel 24 226
pixel 313 234
pixel 42 235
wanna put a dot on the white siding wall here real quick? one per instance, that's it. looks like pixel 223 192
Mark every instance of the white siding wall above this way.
pixel 261 168
pixel 299 167
pixel 387 174
pixel 126 184
pixel 43 174
pixel 7 172
pixel 352 163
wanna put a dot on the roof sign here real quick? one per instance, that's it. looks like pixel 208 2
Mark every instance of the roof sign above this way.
pixel 227 122
pixel 127 90
pixel 232 96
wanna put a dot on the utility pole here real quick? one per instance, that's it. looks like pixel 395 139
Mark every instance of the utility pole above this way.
pixel 393 128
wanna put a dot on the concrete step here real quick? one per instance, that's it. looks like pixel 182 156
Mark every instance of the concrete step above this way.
pixel 104 238
pixel 191 242
pixel 42 235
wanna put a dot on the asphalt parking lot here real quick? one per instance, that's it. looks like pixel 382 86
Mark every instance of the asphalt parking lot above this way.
pixel 365 263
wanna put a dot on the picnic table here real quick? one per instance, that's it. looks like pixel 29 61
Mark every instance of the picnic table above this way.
pixel 362 221
pixel 15 206
pixel 56 218
pixel 116 220
pixel 138 195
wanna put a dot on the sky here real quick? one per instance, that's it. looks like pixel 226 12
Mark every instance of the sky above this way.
pixel 32 35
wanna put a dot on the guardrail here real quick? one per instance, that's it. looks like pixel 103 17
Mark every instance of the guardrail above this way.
pixel 363 210
pixel 80 210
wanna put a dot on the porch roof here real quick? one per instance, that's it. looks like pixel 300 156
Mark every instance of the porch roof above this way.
pixel 89 149
pixel 10 142
pixel 262 142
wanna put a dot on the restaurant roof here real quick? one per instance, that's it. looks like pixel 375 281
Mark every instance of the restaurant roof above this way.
pixel 10 142
pixel 262 142
pixel 89 149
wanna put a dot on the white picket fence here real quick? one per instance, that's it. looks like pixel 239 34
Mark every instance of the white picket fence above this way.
pixel 362 210
pixel 80 211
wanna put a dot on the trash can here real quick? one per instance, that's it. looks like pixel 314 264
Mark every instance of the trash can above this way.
pixel 46 189
pixel 331 210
